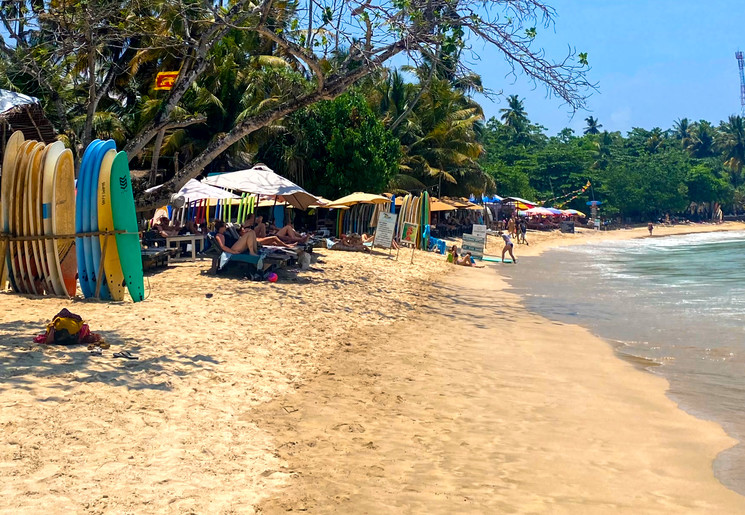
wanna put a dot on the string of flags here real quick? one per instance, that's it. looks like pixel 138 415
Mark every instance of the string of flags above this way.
pixel 572 195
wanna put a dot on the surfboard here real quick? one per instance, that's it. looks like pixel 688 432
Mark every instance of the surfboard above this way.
pixel 112 267
pixel 32 218
pixel 24 257
pixel 41 220
pixel 49 162
pixel 17 263
pixel 492 259
pixel 12 148
pixel 82 244
pixel 93 200
pixel 63 221
pixel 125 219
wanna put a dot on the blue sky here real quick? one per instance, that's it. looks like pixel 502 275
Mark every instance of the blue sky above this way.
pixel 654 61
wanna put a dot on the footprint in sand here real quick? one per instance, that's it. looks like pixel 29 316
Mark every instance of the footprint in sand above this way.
pixel 351 428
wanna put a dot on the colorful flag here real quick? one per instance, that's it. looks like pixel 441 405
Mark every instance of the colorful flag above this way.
pixel 165 80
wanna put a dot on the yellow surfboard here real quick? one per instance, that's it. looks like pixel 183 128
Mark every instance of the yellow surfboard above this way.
pixel 63 221
pixel 111 265
pixel 12 148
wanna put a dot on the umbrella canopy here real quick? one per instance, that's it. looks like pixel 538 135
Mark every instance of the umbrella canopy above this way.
pixel 539 211
pixel 262 181
pixel 195 190
pixel 520 202
pixel 555 211
pixel 574 212
pixel 438 205
pixel 359 198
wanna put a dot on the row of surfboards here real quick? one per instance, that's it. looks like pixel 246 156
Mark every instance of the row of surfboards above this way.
pixel 415 210
pixel 62 236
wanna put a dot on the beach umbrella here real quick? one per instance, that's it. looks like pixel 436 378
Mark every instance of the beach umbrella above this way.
pixel 260 180
pixel 555 211
pixel 359 198
pixel 574 212
pixel 195 190
pixel 521 203
pixel 438 205
pixel 538 211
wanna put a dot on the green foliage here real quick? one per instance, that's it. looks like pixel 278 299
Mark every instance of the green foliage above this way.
pixel 344 147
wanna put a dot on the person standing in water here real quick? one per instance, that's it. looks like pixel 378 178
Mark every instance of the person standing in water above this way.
pixel 507 246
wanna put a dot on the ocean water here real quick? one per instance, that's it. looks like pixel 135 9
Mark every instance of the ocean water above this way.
pixel 676 305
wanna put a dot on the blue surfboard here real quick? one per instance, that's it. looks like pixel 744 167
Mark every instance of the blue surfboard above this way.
pixel 92 192
pixel 82 221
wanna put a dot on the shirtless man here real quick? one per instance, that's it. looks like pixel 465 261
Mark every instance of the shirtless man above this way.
pixel 260 228
pixel 290 235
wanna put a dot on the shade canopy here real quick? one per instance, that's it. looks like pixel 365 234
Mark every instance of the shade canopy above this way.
pixel 436 205
pixel 520 202
pixel 261 180
pixel 555 211
pixel 539 211
pixel 195 190
pixel 359 198
pixel 574 212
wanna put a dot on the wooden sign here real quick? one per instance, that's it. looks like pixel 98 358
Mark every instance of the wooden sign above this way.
pixel 165 80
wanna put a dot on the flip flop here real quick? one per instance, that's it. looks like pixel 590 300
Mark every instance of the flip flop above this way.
pixel 125 354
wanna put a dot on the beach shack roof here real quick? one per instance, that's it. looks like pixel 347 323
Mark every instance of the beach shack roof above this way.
pixel 19 112
pixel 261 180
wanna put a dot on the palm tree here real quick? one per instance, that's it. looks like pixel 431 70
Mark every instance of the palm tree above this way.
pixel 593 127
pixel 514 114
pixel 702 138
pixel 654 141
pixel 682 130
pixel 732 143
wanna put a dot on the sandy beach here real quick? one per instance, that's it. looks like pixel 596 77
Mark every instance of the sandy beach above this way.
pixel 366 386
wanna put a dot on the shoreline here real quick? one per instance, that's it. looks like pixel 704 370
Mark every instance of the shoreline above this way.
pixel 654 457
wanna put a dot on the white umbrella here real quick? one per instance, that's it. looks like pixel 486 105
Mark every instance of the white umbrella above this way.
pixel 261 180
pixel 195 190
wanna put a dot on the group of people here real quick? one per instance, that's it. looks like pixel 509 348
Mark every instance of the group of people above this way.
pixel 518 227
pixel 254 232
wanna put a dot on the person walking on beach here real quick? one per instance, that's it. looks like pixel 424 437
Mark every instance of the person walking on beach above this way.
pixel 523 226
pixel 507 246
pixel 511 227
pixel 650 226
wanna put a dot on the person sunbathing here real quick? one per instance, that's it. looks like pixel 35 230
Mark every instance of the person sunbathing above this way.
pixel 247 241
pixel 288 234
pixel 265 240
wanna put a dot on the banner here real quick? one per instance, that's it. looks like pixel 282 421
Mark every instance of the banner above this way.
pixel 165 80
pixel 384 231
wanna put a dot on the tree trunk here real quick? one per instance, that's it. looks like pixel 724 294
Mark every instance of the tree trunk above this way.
pixel 92 104
pixel 156 156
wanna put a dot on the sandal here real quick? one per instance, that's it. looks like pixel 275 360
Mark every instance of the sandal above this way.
pixel 125 354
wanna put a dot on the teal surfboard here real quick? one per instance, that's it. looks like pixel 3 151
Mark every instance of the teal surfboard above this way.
pixel 125 219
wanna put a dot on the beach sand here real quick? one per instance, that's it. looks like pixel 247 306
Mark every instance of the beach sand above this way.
pixel 367 386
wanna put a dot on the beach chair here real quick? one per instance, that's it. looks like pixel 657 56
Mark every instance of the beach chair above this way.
pixel 221 260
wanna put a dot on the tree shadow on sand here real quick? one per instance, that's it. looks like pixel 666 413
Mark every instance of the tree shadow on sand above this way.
pixel 23 363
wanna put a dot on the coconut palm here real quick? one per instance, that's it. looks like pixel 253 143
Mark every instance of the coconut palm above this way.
pixel 593 127
pixel 514 114
pixel 702 139
pixel 732 144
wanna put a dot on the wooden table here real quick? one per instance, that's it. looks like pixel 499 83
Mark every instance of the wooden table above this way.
pixel 189 238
